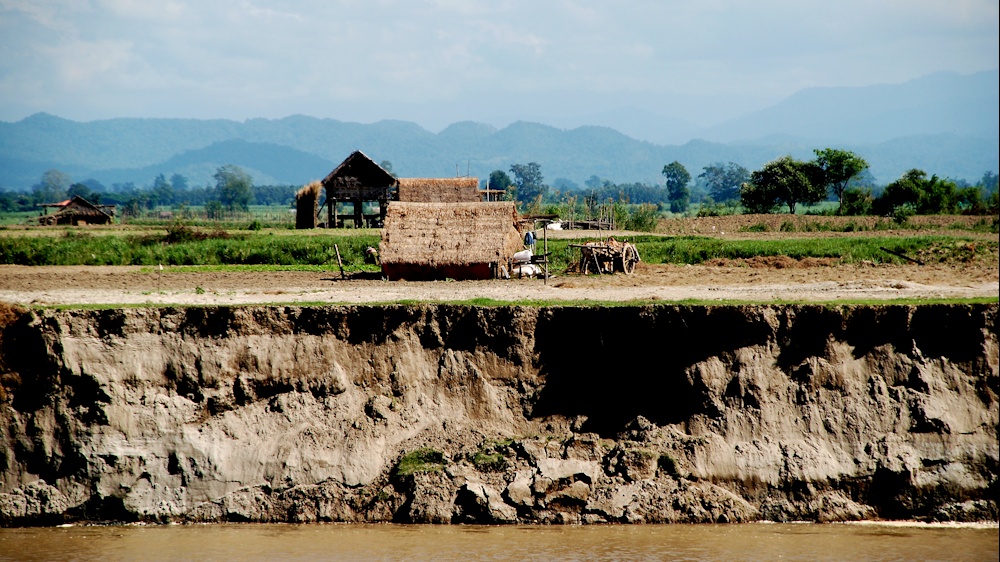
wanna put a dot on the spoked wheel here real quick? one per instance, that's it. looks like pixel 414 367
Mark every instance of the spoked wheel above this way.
pixel 630 257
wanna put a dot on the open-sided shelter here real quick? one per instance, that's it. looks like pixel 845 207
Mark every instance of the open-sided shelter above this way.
pixel 78 211
pixel 423 241
pixel 358 180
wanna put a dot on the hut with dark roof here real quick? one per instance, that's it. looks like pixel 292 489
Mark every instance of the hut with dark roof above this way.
pixel 78 211
pixel 424 241
pixel 358 180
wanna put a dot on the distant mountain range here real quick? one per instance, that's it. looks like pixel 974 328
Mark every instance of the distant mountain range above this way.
pixel 945 124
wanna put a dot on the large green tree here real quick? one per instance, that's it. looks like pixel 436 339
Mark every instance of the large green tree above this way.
pixel 677 179
pixel 499 180
pixel 836 169
pixel 922 195
pixel 784 181
pixel 234 187
pixel 724 180
pixel 528 181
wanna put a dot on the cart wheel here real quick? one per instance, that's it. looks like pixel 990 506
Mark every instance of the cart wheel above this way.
pixel 629 258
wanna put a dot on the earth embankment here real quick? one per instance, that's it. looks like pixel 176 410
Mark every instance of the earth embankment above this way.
pixel 447 413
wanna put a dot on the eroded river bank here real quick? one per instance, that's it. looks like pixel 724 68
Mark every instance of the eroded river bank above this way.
pixel 443 413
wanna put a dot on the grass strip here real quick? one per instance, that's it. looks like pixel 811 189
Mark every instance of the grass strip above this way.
pixel 492 303
pixel 265 249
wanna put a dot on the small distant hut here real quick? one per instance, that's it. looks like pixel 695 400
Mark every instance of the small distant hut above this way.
pixel 424 241
pixel 307 205
pixel 439 190
pixel 77 211
pixel 358 180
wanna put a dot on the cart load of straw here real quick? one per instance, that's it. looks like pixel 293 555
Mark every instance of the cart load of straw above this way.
pixel 454 240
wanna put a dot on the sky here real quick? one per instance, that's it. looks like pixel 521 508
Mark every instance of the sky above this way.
pixel 436 62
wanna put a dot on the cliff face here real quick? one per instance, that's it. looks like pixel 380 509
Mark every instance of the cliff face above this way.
pixel 466 414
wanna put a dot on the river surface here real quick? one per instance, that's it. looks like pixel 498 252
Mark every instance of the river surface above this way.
pixel 412 543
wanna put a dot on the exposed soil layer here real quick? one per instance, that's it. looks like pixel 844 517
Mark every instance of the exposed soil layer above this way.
pixel 442 413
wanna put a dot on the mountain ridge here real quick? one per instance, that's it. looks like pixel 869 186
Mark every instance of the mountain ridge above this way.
pixel 958 141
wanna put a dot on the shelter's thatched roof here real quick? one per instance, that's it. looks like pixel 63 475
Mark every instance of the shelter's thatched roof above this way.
pixel 78 209
pixel 438 190
pixel 438 235
pixel 358 176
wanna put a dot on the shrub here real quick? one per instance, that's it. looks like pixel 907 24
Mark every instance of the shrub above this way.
pixel 421 460
pixel 667 464
pixel 857 201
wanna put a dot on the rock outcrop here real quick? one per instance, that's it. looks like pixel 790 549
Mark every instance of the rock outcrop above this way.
pixel 441 414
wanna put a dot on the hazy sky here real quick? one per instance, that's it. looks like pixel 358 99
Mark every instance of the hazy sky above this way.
pixel 440 61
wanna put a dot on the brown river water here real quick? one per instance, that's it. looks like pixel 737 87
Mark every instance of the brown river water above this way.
pixel 411 543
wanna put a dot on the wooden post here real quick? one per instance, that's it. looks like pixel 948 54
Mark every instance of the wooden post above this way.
pixel 359 219
pixel 340 262
pixel 331 212
pixel 545 250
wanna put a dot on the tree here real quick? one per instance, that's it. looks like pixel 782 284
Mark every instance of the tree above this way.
pixel 179 182
pixel 837 168
pixel 234 187
pixel 387 166
pixel 724 181
pixel 499 180
pixel 989 182
pixel 782 181
pixel 52 188
pixel 82 190
pixel 922 195
pixel 677 186
pixel 163 191
pixel 528 181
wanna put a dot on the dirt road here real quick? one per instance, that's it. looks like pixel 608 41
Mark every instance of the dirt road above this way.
pixel 763 282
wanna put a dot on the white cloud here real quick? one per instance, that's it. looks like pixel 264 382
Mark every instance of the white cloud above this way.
pixel 255 58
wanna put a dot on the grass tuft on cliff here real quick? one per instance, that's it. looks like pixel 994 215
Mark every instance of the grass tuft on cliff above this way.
pixel 420 460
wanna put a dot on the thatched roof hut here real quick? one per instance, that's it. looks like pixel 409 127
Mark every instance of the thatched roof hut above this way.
pixel 307 205
pixel 438 190
pixel 457 240
pixel 77 211
pixel 359 177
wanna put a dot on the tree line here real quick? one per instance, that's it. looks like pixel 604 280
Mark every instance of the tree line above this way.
pixel 784 183
pixel 233 190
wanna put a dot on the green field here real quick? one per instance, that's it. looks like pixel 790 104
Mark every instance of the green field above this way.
pixel 297 249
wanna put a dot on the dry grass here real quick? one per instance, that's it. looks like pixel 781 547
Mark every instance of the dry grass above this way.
pixel 439 190
pixel 435 235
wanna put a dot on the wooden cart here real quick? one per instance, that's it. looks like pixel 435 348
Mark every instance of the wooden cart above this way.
pixel 608 256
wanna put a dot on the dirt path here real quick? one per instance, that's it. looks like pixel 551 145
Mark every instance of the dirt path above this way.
pixel 808 281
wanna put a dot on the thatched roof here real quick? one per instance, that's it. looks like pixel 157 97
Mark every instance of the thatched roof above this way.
pixel 78 209
pixel 358 176
pixel 438 235
pixel 438 190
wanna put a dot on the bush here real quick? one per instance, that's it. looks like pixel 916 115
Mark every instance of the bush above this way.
pixel 421 460
pixel 642 218
pixel 857 201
